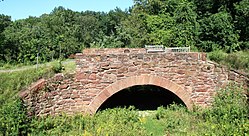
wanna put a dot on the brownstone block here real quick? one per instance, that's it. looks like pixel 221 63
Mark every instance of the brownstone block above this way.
pixel 122 70
pixel 93 77
pixel 156 81
pixel 180 71
pixel 86 99
pixel 104 95
pixel 80 76
pixel 61 102
pixel 201 90
pixel 66 96
pixel 132 69
pixel 75 95
pixel 65 86
pixel 116 65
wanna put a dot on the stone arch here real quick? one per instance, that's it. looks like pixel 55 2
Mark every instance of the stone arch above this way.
pixel 139 80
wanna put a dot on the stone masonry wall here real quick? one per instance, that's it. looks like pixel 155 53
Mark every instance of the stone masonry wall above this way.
pixel 98 69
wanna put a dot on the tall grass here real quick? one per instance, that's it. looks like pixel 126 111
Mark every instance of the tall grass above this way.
pixel 112 122
pixel 12 82
pixel 237 60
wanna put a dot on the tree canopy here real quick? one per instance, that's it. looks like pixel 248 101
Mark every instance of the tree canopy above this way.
pixel 204 25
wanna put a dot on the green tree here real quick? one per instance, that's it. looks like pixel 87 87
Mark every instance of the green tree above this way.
pixel 133 30
pixel 242 22
pixel 5 21
pixel 86 29
pixel 218 32
pixel 171 23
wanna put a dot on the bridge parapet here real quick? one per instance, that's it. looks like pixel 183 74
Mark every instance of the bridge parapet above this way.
pixel 114 51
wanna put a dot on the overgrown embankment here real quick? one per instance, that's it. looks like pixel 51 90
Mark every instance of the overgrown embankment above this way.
pixel 13 81
pixel 237 60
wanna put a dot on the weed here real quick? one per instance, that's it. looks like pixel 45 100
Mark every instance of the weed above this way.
pixel 13 118
pixel 57 67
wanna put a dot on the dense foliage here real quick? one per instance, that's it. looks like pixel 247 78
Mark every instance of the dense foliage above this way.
pixel 228 116
pixel 205 25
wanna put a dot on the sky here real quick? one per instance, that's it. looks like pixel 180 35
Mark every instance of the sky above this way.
pixel 21 9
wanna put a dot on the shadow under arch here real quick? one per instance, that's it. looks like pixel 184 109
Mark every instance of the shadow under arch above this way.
pixel 139 80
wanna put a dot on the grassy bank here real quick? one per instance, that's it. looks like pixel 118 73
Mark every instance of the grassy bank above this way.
pixel 236 60
pixel 12 82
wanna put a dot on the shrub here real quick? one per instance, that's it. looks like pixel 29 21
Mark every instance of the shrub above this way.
pixel 57 67
pixel 176 119
pixel 13 118
pixel 116 122
pixel 217 56
pixel 59 125
pixel 230 105
pixel 238 60
pixel 229 113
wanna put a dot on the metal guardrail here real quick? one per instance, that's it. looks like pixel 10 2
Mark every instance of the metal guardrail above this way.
pixel 178 49
pixel 161 48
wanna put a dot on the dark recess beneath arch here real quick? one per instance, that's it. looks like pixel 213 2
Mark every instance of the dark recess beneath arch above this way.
pixel 142 97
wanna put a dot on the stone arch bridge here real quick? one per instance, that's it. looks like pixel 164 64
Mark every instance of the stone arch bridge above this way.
pixel 101 73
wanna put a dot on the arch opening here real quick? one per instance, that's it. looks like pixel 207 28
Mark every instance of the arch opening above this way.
pixel 119 85
pixel 142 97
